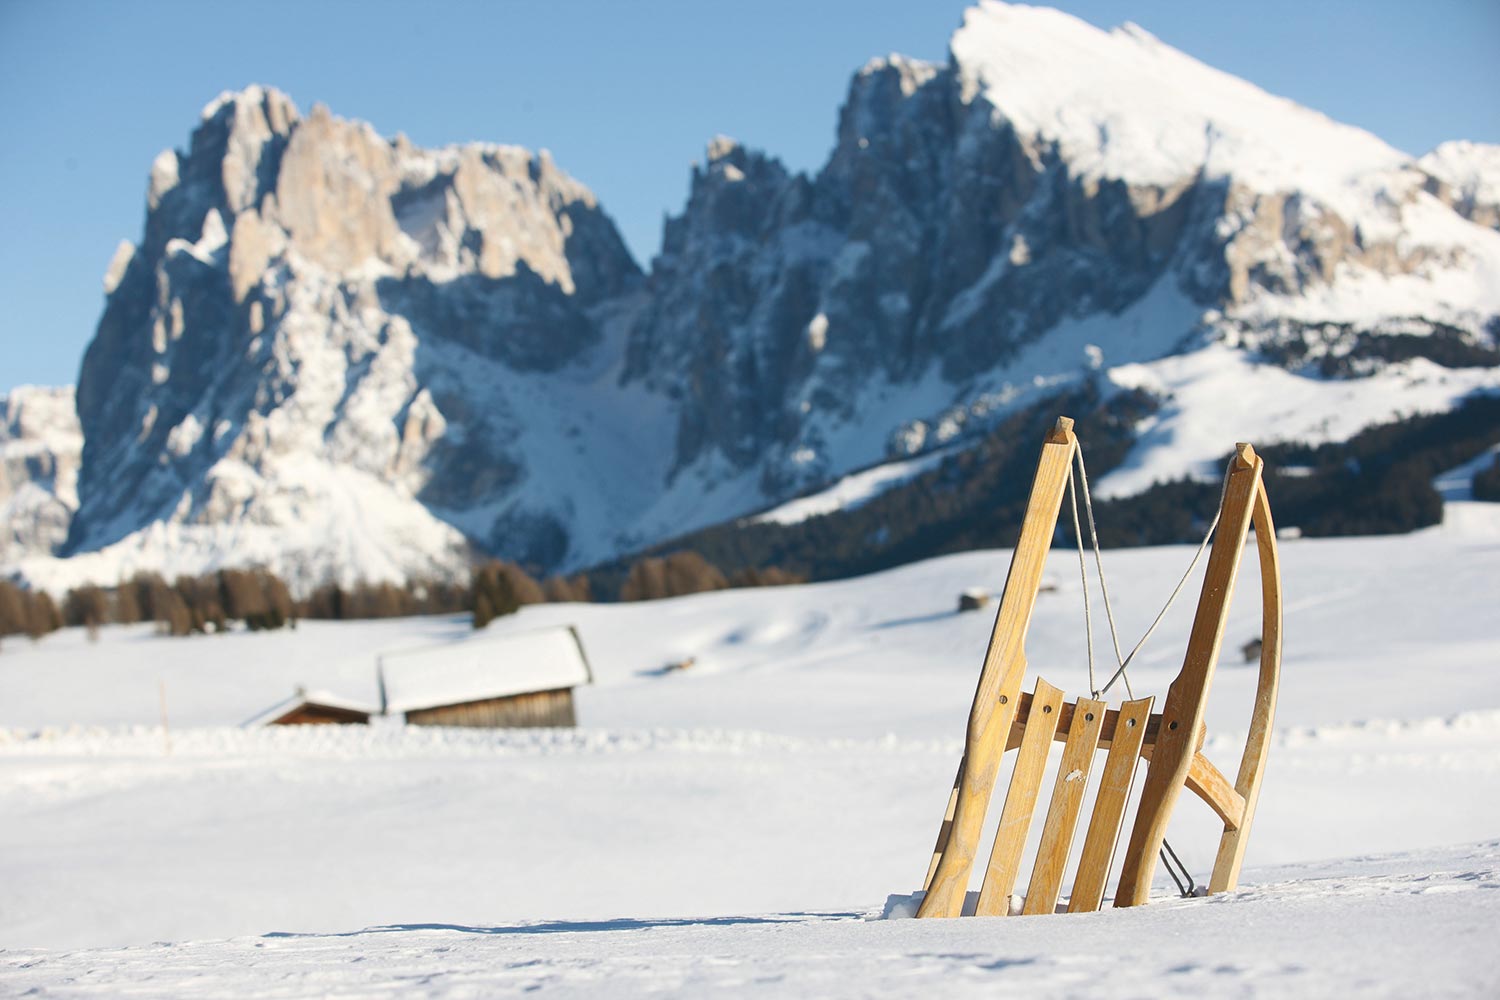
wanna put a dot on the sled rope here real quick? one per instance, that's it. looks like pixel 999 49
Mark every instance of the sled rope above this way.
pixel 1185 884
pixel 1083 578
pixel 1109 612
pixel 1124 661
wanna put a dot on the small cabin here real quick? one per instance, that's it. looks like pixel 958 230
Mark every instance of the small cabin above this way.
pixel 973 599
pixel 317 708
pixel 501 681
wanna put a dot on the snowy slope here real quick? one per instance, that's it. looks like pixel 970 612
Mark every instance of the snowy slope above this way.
pixel 733 825
pixel 1064 83
pixel 1466 175
pixel 1412 924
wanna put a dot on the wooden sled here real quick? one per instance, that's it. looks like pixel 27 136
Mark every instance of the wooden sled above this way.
pixel 1002 719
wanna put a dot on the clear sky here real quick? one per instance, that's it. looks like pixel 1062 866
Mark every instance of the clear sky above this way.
pixel 625 95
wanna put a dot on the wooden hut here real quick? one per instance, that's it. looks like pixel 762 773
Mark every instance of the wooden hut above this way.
pixel 313 709
pixel 503 680
pixel 973 599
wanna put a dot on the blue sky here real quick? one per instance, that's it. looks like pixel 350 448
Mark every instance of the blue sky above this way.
pixel 624 94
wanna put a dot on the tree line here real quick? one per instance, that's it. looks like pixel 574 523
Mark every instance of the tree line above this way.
pixel 261 600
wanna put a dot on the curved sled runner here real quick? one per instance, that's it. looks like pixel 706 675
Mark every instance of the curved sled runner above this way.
pixel 1003 718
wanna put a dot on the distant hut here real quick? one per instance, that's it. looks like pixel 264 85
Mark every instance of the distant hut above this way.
pixel 973 599
pixel 316 708
pixel 495 680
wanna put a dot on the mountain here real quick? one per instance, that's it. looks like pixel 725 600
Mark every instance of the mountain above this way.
pixel 40 446
pixel 340 355
pixel 344 356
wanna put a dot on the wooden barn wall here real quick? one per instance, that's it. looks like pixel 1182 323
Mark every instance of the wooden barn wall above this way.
pixel 542 708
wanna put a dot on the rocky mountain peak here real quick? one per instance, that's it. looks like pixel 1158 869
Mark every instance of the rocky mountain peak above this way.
pixel 294 329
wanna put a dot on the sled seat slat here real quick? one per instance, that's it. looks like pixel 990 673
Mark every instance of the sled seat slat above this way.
pixel 1020 803
pixel 1109 807
pixel 1062 813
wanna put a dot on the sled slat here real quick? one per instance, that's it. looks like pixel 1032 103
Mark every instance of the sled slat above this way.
pixel 946 829
pixel 1020 803
pixel 1062 813
pixel 1109 807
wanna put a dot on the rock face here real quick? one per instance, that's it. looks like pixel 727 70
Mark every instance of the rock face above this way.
pixel 1466 176
pixel 344 356
pixel 294 357
pixel 40 444
pixel 1053 199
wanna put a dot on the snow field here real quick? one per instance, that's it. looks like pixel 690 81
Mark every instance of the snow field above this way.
pixel 733 826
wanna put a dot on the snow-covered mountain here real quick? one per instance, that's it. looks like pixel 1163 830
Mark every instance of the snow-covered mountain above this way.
pixel 344 356
pixel 341 355
pixel 40 444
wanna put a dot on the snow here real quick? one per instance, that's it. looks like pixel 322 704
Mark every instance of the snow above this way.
pixel 1215 395
pixel 1311 933
pixel 482 665
pixel 1458 483
pixel 1061 81
pixel 319 516
pixel 1471 168
pixel 738 827
pixel 40 445
pixel 852 491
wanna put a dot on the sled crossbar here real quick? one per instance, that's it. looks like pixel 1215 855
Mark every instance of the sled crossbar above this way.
pixel 1170 741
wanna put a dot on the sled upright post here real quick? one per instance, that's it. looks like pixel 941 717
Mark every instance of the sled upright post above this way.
pixel 1002 718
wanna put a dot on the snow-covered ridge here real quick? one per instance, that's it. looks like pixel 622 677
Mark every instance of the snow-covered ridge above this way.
pixel 1123 104
pixel 850 492
pixel 1467 176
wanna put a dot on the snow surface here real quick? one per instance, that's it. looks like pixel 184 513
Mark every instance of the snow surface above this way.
pixel 1060 80
pixel 1312 931
pixel 852 491
pixel 1472 168
pixel 737 826
pixel 1218 394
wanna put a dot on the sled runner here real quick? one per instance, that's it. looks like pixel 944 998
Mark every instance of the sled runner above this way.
pixel 1003 718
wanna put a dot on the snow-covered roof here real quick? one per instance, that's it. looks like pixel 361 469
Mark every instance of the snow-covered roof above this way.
pixel 308 699
pixel 483 666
